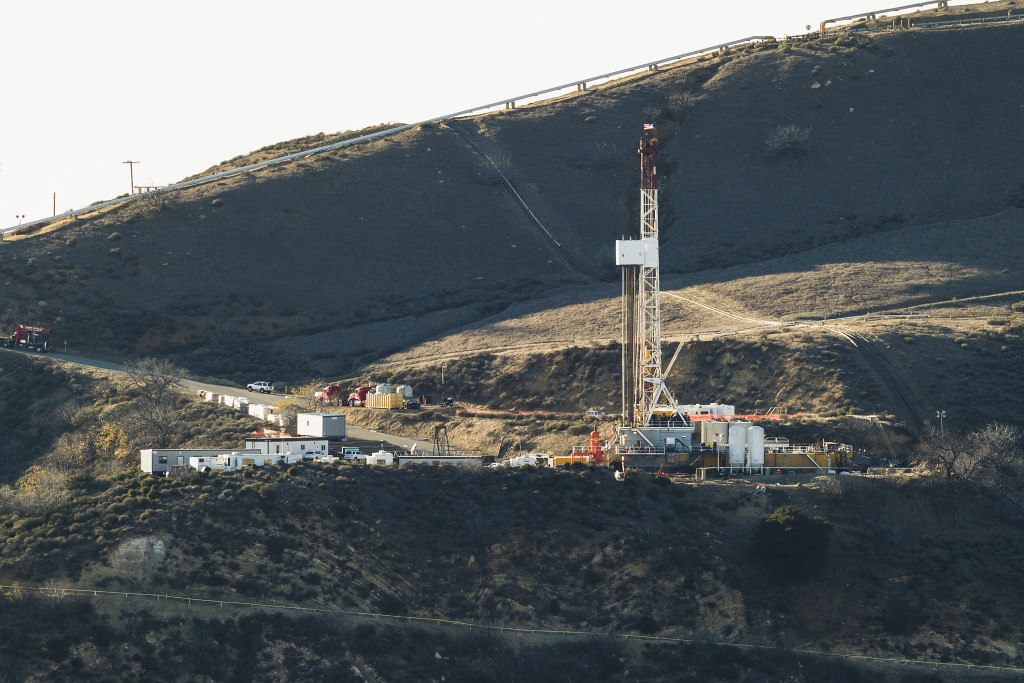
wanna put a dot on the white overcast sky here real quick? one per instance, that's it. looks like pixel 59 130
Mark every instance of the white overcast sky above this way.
pixel 180 86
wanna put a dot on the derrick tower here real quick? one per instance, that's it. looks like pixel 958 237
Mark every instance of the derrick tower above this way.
pixel 643 386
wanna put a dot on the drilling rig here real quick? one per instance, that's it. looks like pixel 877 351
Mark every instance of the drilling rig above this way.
pixel 653 431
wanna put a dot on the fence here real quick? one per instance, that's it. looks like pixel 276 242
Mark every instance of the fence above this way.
pixel 59 592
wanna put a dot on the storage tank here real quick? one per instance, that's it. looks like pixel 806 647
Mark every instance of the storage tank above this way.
pixel 383 389
pixel 737 445
pixel 755 448
pixel 405 390
pixel 714 431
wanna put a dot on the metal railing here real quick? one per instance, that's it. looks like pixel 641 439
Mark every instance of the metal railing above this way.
pixel 508 103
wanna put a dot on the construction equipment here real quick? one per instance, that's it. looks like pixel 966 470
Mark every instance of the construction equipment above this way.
pixel 29 338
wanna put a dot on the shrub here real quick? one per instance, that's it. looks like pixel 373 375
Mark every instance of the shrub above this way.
pixel 791 543
pixel 114 236
pixel 787 141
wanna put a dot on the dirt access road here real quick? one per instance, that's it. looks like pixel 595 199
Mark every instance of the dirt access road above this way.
pixel 193 387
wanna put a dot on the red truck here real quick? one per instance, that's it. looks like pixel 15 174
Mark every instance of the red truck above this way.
pixel 29 338
pixel 331 395
pixel 358 397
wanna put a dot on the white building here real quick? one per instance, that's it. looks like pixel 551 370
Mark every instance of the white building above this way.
pixel 326 425
pixel 157 460
pixel 380 458
pixel 287 444
pixel 235 460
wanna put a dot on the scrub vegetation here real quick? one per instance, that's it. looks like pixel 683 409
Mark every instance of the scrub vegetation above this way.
pixel 837 244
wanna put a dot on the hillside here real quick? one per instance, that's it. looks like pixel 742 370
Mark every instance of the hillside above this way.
pixel 865 261
pixel 914 570
pixel 293 272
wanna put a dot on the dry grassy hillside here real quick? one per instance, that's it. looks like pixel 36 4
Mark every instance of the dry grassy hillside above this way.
pixel 895 188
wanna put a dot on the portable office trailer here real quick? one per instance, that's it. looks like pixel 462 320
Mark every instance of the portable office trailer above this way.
pixel 236 460
pixel 325 425
pixel 158 460
pixel 287 444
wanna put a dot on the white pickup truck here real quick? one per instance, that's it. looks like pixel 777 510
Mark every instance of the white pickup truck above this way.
pixel 262 387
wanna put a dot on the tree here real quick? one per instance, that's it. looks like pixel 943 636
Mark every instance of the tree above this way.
pixel 157 384
pixel 990 454
pixel 159 381
pixel 789 542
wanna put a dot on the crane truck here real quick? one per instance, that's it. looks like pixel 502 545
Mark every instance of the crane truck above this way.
pixel 29 338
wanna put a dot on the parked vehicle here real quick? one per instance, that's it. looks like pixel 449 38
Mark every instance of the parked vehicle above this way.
pixel 331 395
pixel 262 387
pixel 358 397
pixel 29 338
pixel 352 453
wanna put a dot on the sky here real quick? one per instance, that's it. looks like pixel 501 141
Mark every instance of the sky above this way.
pixel 181 86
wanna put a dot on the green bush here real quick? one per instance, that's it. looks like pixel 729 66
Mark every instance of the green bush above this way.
pixel 789 542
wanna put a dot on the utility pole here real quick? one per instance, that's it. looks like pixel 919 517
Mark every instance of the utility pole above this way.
pixel 54 203
pixel 131 173
pixel 941 414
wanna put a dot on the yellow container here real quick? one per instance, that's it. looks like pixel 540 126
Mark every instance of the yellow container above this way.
pixel 389 401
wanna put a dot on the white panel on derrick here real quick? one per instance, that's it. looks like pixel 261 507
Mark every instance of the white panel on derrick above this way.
pixel 650 252
pixel 629 252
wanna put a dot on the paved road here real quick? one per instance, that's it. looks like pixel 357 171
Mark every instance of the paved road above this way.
pixel 194 387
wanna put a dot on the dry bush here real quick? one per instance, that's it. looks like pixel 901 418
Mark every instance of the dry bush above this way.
pixel 682 102
pixel 41 490
pixel 787 141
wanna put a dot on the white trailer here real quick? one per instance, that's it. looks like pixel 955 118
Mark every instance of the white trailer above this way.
pixel 236 460
pixel 159 460
pixel 324 425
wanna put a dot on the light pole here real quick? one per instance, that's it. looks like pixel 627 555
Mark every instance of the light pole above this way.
pixel 131 173
pixel 443 366
pixel 941 414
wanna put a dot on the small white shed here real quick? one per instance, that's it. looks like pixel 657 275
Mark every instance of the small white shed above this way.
pixel 380 458
pixel 326 425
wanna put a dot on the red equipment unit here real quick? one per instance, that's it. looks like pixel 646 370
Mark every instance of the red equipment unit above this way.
pixel 29 338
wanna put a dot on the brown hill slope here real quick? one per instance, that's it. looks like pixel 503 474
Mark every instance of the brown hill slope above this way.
pixel 329 262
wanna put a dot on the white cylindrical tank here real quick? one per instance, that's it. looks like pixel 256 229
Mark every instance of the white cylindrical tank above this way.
pixel 715 432
pixel 737 445
pixel 405 390
pixel 383 388
pixel 755 448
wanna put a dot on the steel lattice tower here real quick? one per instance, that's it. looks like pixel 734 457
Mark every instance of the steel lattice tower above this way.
pixel 647 357
pixel 643 385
